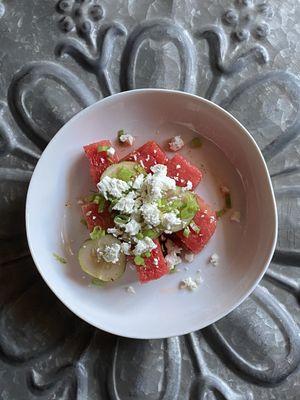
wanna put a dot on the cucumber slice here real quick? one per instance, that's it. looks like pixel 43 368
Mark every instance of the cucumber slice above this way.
pixel 124 170
pixel 105 271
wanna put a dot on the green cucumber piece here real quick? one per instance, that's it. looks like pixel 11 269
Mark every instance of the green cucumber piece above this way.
pixel 102 270
pixel 124 170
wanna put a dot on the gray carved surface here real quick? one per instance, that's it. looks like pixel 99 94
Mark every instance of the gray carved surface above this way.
pixel 57 57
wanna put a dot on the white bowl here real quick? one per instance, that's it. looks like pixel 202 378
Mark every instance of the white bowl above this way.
pixel 159 309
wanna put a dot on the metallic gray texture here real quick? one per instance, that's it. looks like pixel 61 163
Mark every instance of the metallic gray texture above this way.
pixel 57 57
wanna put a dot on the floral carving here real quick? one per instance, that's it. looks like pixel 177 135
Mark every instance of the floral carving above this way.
pixel 248 18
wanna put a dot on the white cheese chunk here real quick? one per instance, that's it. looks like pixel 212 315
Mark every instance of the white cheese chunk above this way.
pixel 111 253
pixel 189 185
pixel 214 259
pixel 125 248
pixel 176 143
pixel 130 289
pixel 235 216
pixel 189 257
pixel 126 204
pixel 170 221
pixel 143 246
pixel 138 182
pixel 172 260
pixel 151 214
pixel 110 152
pixel 132 227
pixel 114 231
pixel 189 284
pixel 159 182
pixel 126 138
pixel 112 187
pixel 159 169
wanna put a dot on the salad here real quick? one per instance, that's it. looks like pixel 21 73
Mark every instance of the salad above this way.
pixel 143 212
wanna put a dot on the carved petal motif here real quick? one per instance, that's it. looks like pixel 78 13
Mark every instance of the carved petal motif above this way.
pixel 271 334
pixel 146 369
pixel 32 324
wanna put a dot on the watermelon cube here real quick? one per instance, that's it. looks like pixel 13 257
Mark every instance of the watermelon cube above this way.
pixel 148 155
pixel 99 160
pixel 93 218
pixel 183 171
pixel 206 221
pixel 155 266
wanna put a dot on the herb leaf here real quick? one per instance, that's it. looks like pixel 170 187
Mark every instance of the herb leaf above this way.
pixel 97 233
pixel 59 258
pixel 221 212
pixel 186 232
pixel 138 260
pixel 120 133
pixel 196 143
pixel 228 200
pixel 150 233
pixel 121 219
pixel 195 227
pixel 100 200
pixel 102 148
pixel 83 221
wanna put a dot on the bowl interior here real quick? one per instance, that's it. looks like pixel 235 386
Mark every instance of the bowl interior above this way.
pixel 228 157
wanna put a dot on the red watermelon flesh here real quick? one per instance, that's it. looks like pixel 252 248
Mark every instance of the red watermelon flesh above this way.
pixel 150 271
pixel 206 220
pixel 99 160
pixel 183 171
pixel 148 155
pixel 94 218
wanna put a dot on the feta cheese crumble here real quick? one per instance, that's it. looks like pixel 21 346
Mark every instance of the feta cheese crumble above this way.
pixel 189 284
pixel 214 259
pixel 151 214
pixel 126 138
pixel 112 187
pixel 110 152
pixel 132 227
pixel 235 216
pixel 189 257
pixel 114 231
pixel 143 246
pixel 130 289
pixel 126 204
pixel 189 185
pixel 111 253
pixel 158 183
pixel 139 180
pixel 125 248
pixel 172 258
pixel 170 221
pixel 176 143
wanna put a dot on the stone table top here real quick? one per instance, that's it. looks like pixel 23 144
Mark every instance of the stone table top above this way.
pixel 57 57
